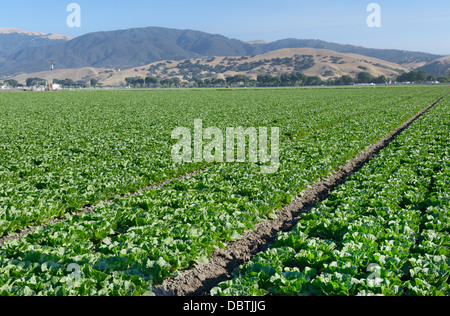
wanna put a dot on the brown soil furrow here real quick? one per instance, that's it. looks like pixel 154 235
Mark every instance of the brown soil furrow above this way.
pixel 199 280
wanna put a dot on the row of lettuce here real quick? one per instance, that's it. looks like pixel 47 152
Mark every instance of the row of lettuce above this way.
pixel 385 231
pixel 126 247
pixel 61 152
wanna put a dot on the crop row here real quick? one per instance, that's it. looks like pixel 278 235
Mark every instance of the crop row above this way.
pixel 124 247
pixel 62 152
pixel 385 231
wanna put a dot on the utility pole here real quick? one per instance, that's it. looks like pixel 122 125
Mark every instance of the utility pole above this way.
pixel 50 87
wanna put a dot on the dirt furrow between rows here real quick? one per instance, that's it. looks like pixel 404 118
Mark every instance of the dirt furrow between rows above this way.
pixel 198 281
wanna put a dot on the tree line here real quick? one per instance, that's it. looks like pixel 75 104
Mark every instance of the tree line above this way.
pixel 267 80
pixel 237 80
pixel 285 80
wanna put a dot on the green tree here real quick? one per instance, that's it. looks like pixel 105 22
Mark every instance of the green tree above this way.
pixel 301 78
pixel 421 76
pixel 347 80
pixel 176 81
pixel 68 82
pixel 402 77
pixel 207 82
pixel 199 82
pixel 413 76
pixel 264 80
pixel 33 81
pixel 94 82
pixel 381 79
pixel 12 83
pixel 313 81
pixel 365 77
pixel 285 80
pixel 134 82
pixel 151 81
pixel 238 79
pixel 218 82
pixel 431 77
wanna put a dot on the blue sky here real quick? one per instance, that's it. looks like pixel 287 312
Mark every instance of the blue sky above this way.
pixel 410 25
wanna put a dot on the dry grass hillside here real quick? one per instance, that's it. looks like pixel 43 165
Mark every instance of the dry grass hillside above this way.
pixel 312 62
pixel 439 66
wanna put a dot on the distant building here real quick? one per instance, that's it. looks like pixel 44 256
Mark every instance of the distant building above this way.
pixel 38 88
pixel 364 84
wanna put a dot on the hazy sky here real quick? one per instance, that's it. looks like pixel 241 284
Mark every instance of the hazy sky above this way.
pixel 410 25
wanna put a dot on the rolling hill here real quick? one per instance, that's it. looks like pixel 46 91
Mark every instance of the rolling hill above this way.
pixel 438 67
pixel 142 46
pixel 312 62
pixel 123 49
pixel 391 55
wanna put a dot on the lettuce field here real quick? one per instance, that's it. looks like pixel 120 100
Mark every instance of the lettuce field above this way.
pixel 384 232
pixel 92 203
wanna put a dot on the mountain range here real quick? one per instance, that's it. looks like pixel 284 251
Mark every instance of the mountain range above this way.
pixel 13 40
pixel 29 52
